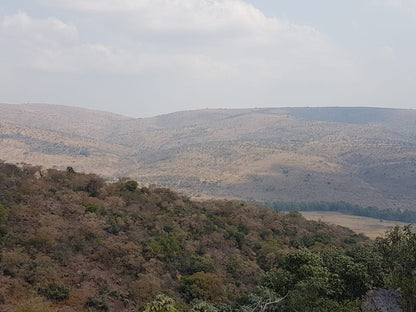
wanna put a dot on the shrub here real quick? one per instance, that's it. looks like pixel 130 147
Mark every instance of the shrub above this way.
pixel 96 303
pixel 57 292
pixel 92 208
pixel 3 230
pixel 162 303
pixel 203 306
pixel 165 246
pixel 145 288
pixel 3 214
pixel 131 185
pixel 15 262
pixel 201 285
pixel 202 264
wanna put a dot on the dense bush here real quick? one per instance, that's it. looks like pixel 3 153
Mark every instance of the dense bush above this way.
pixel 201 285
pixel 90 245
pixel 57 292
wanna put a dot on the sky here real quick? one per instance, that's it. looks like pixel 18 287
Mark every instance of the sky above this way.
pixel 142 58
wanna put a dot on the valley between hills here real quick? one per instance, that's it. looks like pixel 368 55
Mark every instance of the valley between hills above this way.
pixel 72 240
pixel 365 156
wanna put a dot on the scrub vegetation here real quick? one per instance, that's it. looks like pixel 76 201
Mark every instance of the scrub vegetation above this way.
pixel 74 242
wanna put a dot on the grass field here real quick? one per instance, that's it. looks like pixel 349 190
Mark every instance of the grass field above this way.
pixel 370 227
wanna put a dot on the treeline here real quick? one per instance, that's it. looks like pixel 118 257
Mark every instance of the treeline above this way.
pixel 347 208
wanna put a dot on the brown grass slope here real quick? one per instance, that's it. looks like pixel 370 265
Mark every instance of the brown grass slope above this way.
pixel 362 155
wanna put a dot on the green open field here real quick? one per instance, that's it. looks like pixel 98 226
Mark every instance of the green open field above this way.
pixel 370 227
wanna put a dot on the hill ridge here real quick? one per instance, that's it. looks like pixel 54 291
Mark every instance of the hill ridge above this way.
pixel 278 154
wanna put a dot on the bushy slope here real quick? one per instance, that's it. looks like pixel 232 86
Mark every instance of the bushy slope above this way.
pixel 81 243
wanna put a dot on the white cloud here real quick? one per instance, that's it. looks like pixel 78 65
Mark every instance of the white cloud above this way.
pixel 109 60
pixel 185 17
pixel 99 6
pixel 22 26
pixel 25 40
pixel 211 38
pixel 211 52
pixel 219 42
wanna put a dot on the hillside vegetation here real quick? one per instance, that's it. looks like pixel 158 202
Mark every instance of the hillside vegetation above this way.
pixel 365 156
pixel 74 242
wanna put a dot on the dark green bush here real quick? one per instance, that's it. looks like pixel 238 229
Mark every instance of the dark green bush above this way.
pixel 93 208
pixel 96 303
pixel 131 185
pixel 57 292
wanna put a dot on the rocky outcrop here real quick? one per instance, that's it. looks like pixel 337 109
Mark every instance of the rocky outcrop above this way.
pixel 381 300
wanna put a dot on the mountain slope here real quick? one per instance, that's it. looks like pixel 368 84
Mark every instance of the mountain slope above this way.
pixel 362 155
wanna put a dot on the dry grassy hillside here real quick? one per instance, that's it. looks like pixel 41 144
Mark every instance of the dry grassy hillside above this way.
pixel 65 119
pixel 365 156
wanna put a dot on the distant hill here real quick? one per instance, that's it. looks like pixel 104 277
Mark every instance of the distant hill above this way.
pixel 361 155
pixel 352 115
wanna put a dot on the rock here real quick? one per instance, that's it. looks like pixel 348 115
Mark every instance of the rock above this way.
pixel 381 300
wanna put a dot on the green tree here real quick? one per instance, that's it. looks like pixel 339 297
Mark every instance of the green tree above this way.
pixel 162 303
pixel 311 284
pixel 205 286
pixel 166 246
pixel 202 306
pixel 131 185
pixel 262 300
pixel 398 249
pixel 355 279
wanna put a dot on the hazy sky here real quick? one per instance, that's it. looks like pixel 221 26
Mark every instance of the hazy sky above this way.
pixel 146 57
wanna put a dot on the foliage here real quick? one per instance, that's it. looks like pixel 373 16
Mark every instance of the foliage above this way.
pixel 96 303
pixel 201 285
pixel 3 214
pixel 145 287
pixel 202 264
pixel 164 246
pixel 398 249
pixel 90 245
pixel 57 292
pixel 319 281
pixel 162 303
pixel 131 185
pixel 264 299
pixel 202 306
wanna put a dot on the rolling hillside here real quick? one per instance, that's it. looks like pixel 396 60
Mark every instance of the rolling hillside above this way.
pixel 366 156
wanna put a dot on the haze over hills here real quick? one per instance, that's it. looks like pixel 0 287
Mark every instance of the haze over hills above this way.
pixel 362 155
